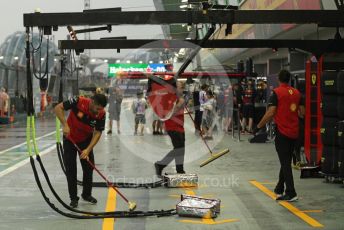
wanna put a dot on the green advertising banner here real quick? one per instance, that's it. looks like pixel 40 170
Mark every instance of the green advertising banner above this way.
pixel 145 68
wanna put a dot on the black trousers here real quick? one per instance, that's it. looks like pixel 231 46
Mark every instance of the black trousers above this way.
pixel 285 147
pixel 198 119
pixel 178 151
pixel 299 142
pixel 70 155
pixel 297 151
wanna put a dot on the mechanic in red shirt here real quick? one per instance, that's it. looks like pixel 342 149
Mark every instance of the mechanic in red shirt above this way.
pixel 84 126
pixel 285 106
pixel 175 129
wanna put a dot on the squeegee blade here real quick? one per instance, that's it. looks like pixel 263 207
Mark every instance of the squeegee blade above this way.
pixel 214 157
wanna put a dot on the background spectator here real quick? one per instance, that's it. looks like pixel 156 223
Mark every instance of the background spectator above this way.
pixel 209 115
pixel 139 109
pixel 115 102
pixel 248 107
pixel 4 102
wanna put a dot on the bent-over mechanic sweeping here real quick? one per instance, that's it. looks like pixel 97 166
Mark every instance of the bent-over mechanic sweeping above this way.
pixel 84 126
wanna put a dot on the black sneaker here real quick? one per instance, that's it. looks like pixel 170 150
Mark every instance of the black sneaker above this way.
pixel 109 132
pixel 278 193
pixel 158 169
pixel 180 169
pixel 287 198
pixel 74 203
pixel 90 199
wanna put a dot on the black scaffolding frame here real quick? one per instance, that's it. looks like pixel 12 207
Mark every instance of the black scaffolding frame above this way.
pixel 332 18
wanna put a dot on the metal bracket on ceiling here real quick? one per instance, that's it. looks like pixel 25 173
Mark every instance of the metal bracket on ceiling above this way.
pixel 337 36
pixel 102 28
pixel 339 4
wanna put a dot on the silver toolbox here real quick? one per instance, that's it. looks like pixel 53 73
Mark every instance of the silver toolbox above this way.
pixel 215 202
pixel 196 208
pixel 180 180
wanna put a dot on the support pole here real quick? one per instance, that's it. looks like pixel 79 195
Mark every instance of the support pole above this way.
pixel 30 108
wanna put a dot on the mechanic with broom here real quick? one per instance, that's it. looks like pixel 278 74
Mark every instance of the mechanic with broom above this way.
pixel 84 126
pixel 285 106
pixel 175 129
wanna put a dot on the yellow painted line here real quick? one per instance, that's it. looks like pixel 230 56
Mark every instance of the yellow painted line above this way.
pixel 190 192
pixel 267 183
pixel 313 211
pixel 264 189
pixel 109 223
pixel 209 221
pixel 302 215
pixel 312 222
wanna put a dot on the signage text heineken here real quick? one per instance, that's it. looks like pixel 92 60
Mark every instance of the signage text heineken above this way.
pixel 146 68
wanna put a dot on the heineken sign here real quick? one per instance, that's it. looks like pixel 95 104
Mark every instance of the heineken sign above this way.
pixel 145 68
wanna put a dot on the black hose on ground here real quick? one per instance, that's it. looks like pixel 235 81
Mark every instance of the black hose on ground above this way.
pixel 116 214
pixel 60 156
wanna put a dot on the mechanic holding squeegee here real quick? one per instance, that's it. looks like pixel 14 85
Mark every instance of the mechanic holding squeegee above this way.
pixel 285 106
pixel 175 129
pixel 84 126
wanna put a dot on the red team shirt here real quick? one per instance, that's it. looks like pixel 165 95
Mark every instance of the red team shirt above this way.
pixel 81 122
pixel 287 99
pixel 176 123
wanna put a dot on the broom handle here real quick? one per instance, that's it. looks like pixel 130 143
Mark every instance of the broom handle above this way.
pixel 200 132
pixel 100 174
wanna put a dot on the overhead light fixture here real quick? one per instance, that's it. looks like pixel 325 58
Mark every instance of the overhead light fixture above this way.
pixel 140 62
pixel 42 59
pixel 128 61
pixel 55 59
pixel 1 57
pixel 161 62
pixel 150 62
pixel 188 38
pixel 183 6
pixel 16 58
pixel 106 61
pixel 118 61
pixel 184 1
pixel 93 60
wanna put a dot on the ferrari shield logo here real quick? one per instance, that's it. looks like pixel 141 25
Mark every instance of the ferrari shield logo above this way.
pixel 80 114
pixel 314 79
pixel 293 107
